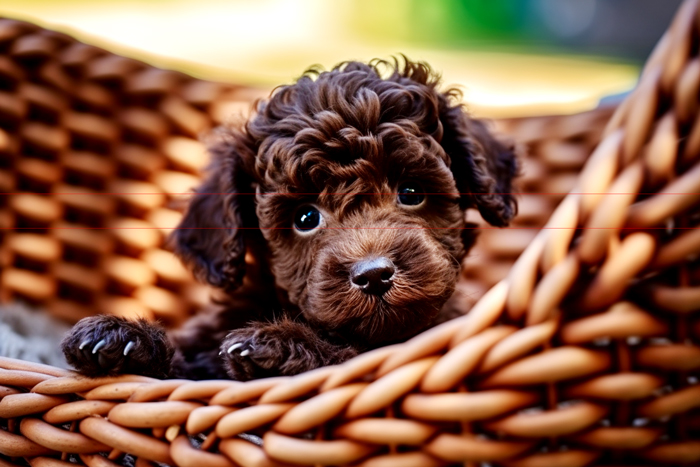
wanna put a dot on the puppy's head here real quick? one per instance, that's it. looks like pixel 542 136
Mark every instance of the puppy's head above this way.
pixel 361 182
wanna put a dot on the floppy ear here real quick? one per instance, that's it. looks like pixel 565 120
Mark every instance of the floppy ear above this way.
pixel 209 238
pixel 483 167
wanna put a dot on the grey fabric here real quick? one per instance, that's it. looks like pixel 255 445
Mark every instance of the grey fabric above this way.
pixel 31 335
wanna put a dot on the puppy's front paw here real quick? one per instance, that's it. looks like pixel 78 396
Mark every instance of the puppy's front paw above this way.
pixel 282 348
pixel 249 354
pixel 109 345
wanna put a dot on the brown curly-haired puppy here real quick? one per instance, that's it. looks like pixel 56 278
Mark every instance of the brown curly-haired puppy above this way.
pixel 335 223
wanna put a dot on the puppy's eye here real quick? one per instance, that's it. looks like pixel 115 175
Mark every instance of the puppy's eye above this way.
pixel 411 194
pixel 307 218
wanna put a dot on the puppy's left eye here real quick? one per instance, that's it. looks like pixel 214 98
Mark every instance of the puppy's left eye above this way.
pixel 411 194
pixel 307 218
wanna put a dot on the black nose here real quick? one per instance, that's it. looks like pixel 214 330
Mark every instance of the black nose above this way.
pixel 373 276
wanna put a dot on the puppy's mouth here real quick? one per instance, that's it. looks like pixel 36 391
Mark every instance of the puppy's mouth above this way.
pixel 420 284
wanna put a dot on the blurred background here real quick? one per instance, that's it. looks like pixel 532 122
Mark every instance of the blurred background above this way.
pixel 511 57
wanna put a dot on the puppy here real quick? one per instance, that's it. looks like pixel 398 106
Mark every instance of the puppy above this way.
pixel 334 222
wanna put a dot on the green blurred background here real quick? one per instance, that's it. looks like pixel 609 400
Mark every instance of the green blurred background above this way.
pixel 511 57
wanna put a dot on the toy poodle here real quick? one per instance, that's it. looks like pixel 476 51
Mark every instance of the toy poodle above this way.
pixel 334 221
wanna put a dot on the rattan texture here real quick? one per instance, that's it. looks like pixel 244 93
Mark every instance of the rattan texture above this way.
pixel 585 353
pixel 90 139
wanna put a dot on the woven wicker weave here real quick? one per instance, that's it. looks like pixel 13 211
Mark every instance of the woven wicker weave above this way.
pixel 76 120
pixel 587 352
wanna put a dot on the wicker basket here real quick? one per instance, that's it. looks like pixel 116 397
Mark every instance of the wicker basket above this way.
pixel 114 143
pixel 98 153
pixel 584 352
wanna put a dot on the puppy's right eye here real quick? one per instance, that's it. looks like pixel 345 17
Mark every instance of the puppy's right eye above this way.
pixel 307 218
pixel 410 194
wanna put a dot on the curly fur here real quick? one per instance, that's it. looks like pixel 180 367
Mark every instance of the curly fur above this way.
pixel 343 140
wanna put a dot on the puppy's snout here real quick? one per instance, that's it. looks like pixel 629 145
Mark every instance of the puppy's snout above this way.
pixel 373 276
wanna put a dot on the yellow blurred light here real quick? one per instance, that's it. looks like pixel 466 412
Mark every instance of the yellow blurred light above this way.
pixel 270 42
